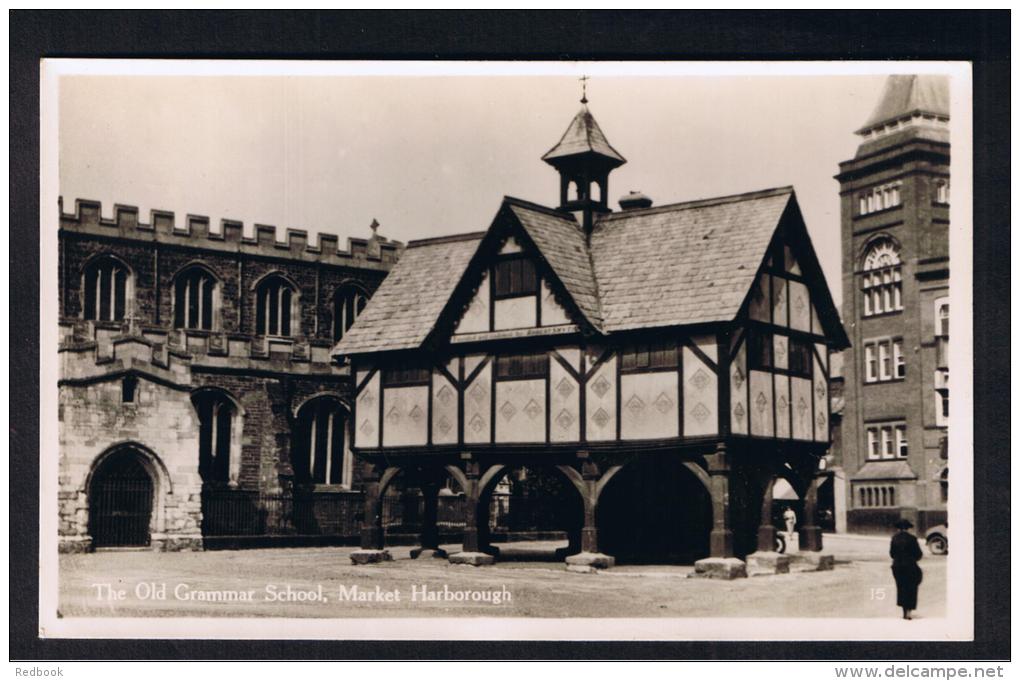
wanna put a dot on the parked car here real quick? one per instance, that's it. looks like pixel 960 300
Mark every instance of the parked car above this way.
pixel 937 538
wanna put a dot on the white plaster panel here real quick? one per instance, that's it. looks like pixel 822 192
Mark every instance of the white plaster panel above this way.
pixel 553 313
pixel 782 406
pixel 738 391
pixel 444 410
pixel 649 408
pixel 821 424
pixel 701 396
pixel 565 405
pixel 477 403
pixel 476 317
pixel 572 355
pixel 780 296
pixel 761 404
pixel 781 351
pixel 520 411
pixel 816 324
pixel 708 345
pixel 759 305
pixel 800 307
pixel 510 246
pixel 600 403
pixel 791 263
pixel 823 352
pixel 405 414
pixel 800 389
pixel 514 313
pixel 471 363
pixel 366 432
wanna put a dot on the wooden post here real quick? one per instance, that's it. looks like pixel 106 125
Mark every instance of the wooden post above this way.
pixel 721 537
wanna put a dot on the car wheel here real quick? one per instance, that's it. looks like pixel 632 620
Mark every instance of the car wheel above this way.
pixel 780 544
pixel 938 545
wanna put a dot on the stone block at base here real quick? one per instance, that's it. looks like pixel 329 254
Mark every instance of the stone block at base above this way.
pixel 583 569
pixel 366 556
pixel 767 563
pixel 811 561
pixel 595 561
pixel 719 568
pixel 428 553
pixel 471 558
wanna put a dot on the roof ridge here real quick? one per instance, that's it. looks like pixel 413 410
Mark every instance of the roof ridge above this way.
pixel 524 203
pixel 700 203
pixel 451 238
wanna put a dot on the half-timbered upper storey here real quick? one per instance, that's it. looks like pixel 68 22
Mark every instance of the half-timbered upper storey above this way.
pixel 657 326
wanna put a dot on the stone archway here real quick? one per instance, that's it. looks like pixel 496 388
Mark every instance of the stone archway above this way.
pixel 655 510
pixel 125 489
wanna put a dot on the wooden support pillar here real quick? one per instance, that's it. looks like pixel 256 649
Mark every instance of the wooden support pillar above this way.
pixel 589 483
pixel 471 549
pixel 810 533
pixel 372 539
pixel 429 521
pixel 721 537
pixel 766 529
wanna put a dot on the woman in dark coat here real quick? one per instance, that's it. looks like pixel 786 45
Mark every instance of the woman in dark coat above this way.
pixel 905 551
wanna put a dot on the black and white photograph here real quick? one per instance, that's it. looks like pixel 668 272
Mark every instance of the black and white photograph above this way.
pixel 506 350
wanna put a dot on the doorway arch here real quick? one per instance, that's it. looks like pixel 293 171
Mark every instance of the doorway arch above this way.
pixel 122 499
pixel 655 510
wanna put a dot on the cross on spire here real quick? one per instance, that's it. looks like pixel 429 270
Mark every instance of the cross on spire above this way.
pixel 584 89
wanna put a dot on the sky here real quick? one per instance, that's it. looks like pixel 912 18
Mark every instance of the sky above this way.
pixel 434 155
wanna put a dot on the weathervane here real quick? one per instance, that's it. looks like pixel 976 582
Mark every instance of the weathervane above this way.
pixel 584 89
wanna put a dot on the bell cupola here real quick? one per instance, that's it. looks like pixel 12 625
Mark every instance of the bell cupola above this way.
pixel 584 158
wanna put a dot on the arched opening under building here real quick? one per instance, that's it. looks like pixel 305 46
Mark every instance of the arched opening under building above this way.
pixel 655 510
pixel 121 495
pixel 532 513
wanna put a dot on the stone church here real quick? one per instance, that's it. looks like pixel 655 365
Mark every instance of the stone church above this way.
pixel 669 362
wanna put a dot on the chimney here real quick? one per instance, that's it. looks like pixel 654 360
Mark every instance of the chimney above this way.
pixel 635 200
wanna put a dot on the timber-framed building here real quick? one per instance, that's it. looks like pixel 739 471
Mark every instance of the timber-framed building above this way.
pixel 670 361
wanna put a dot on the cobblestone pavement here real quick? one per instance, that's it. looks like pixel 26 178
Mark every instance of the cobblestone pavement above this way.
pixel 861 585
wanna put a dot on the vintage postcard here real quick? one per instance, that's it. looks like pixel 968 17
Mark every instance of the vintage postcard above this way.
pixel 506 350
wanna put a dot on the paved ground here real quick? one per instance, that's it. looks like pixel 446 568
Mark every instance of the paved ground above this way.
pixel 860 586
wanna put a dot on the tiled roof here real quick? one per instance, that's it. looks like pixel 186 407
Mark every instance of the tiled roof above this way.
pixel 906 95
pixel 583 135
pixel 404 310
pixel 886 470
pixel 685 263
pixel 561 241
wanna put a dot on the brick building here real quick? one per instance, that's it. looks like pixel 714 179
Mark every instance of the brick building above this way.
pixel 670 363
pixel 895 237
pixel 196 376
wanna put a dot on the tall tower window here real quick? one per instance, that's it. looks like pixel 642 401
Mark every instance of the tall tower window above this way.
pixel 348 302
pixel 883 282
pixel 276 304
pixel 942 191
pixel 216 414
pixel 879 198
pixel 106 282
pixel 196 299
pixel 320 450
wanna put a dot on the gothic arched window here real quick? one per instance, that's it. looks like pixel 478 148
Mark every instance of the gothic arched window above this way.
pixel 348 302
pixel 883 285
pixel 196 299
pixel 320 445
pixel 275 306
pixel 107 283
pixel 216 414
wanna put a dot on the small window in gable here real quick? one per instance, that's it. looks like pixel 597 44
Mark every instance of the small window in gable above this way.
pixel 514 277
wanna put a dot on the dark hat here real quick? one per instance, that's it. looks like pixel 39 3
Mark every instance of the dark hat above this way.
pixel 903 524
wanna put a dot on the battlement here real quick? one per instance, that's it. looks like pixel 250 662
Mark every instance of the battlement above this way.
pixel 374 253
pixel 106 346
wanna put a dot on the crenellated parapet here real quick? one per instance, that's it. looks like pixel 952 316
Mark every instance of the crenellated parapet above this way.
pixel 92 349
pixel 374 253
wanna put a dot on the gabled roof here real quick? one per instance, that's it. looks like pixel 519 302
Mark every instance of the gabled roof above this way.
pixel 407 304
pixel 560 240
pixel 686 263
pixel 907 95
pixel 583 135
pixel 668 266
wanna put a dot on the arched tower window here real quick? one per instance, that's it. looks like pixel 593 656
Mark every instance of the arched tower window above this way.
pixel 943 320
pixel 348 302
pixel 216 414
pixel 883 281
pixel 275 306
pixel 107 287
pixel 320 446
pixel 196 299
